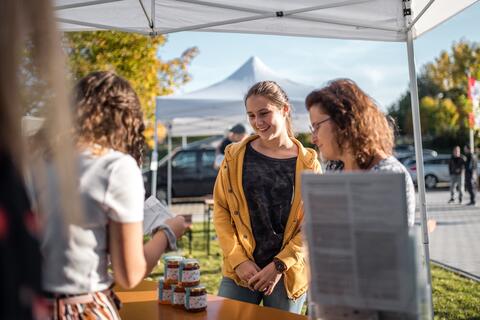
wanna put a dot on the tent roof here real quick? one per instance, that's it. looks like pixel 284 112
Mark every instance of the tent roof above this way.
pixel 215 108
pixel 350 19
pixel 236 85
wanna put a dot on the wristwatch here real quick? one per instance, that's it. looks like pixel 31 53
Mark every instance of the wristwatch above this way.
pixel 279 265
pixel 172 240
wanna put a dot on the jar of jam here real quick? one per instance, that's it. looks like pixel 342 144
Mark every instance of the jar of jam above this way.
pixel 196 298
pixel 178 296
pixel 172 268
pixel 189 273
pixel 164 292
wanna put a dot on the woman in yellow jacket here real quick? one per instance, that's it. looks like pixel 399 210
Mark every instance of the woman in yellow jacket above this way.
pixel 258 209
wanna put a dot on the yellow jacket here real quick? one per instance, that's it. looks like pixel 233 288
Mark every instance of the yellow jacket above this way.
pixel 232 219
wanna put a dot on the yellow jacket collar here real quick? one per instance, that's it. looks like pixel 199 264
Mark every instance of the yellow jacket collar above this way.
pixel 307 156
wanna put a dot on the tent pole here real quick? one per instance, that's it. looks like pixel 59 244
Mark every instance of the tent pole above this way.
pixel 184 141
pixel 154 161
pixel 419 158
pixel 472 141
pixel 169 167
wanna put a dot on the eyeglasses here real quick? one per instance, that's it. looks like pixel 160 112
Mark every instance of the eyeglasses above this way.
pixel 315 126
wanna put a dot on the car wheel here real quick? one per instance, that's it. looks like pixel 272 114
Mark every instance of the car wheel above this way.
pixel 430 181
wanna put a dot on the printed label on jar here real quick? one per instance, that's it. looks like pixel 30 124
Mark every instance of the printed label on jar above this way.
pixel 190 275
pixel 167 295
pixel 178 298
pixel 172 274
pixel 197 302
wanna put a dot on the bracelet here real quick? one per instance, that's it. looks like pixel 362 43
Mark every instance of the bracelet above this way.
pixel 172 240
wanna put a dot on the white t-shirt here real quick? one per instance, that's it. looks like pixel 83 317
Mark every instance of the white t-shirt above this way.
pixel 76 257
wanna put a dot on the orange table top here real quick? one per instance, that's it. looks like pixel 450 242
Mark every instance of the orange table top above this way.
pixel 141 303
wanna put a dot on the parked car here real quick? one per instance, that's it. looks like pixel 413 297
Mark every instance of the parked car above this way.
pixel 406 156
pixel 435 170
pixel 193 172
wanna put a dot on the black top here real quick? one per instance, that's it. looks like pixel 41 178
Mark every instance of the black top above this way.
pixel 225 142
pixel 269 185
pixel 456 165
pixel 20 258
pixel 470 164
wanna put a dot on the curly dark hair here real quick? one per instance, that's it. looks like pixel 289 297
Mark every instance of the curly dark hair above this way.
pixel 359 123
pixel 108 113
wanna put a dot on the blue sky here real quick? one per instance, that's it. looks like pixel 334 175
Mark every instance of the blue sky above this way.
pixel 380 68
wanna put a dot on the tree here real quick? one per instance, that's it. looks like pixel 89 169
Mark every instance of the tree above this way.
pixel 134 57
pixel 34 93
pixel 449 73
pixel 401 111
pixel 442 85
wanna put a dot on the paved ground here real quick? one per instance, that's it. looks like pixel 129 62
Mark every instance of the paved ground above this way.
pixel 195 209
pixel 455 241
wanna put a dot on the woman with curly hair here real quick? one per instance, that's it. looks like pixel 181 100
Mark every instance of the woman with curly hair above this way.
pixel 348 126
pixel 351 131
pixel 109 138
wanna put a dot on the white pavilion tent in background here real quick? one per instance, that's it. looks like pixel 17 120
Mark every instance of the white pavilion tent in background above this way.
pixel 212 110
pixel 382 20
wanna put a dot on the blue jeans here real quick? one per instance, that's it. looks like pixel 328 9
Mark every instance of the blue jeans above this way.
pixel 278 299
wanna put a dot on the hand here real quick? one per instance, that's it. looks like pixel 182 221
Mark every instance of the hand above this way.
pixel 246 270
pixel 178 225
pixel 265 280
pixel 431 225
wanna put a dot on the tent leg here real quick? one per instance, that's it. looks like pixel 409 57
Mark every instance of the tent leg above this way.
pixel 154 160
pixel 419 158
pixel 184 141
pixel 472 141
pixel 169 168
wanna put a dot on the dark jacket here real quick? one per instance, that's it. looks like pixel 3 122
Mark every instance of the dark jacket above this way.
pixel 456 165
pixel 470 165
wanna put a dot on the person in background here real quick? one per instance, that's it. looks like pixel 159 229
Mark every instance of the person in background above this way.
pixel 258 208
pixel 456 168
pixel 109 139
pixel 471 174
pixel 235 134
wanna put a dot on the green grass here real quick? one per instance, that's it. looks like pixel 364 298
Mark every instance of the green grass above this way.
pixel 210 266
pixel 454 297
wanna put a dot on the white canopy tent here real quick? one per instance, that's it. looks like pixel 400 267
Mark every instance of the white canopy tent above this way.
pixel 348 19
pixel 213 109
pixel 382 20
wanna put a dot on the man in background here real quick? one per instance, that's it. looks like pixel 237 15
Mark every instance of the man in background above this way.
pixel 456 168
pixel 470 174
pixel 235 134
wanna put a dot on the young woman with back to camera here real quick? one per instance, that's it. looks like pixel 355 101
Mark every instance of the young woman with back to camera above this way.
pixel 109 127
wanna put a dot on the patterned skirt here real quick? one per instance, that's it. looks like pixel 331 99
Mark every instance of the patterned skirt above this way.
pixel 92 306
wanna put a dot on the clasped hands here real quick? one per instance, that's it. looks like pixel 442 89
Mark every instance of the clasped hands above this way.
pixel 263 280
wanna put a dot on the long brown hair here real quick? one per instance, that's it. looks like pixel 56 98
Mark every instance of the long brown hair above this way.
pixel 30 24
pixel 359 123
pixel 109 114
pixel 273 92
